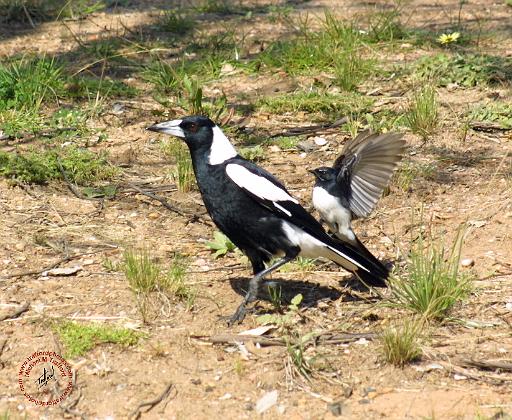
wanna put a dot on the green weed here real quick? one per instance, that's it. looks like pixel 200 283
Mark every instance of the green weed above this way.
pixel 400 343
pixel 286 320
pixel 385 26
pixel 433 284
pixel 285 142
pixel 222 7
pixel 221 244
pixel 497 112
pixel 466 70
pixel 78 338
pixel 302 264
pixel 422 114
pixel 30 11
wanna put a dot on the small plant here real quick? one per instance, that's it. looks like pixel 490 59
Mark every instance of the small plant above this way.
pixel 295 348
pixel 151 283
pixel 222 7
pixel 183 173
pixel 143 274
pixel 497 112
pixel 221 244
pixel 175 283
pixel 275 293
pixel 445 39
pixel 399 344
pixel 422 114
pixel 193 95
pixel 176 22
pixel 285 320
pixel 433 284
pixel 164 76
pixel 78 338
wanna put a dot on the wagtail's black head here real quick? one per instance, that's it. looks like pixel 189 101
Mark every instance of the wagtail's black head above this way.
pixel 196 130
pixel 324 173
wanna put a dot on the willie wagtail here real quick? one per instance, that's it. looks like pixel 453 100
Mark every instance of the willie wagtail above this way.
pixel 352 187
pixel 252 208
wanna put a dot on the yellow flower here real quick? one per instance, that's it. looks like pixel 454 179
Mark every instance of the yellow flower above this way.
pixel 448 38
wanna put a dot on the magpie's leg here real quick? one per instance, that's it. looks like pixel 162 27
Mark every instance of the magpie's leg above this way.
pixel 254 285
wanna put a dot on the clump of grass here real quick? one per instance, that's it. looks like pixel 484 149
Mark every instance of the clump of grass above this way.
pixel 91 87
pixel 183 173
pixel 79 338
pixel 400 343
pixel 385 26
pixel 317 102
pixel 337 48
pixel 433 284
pixel 31 11
pixel 151 283
pixel 176 22
pixel 465 70
pixel 422 114
pixel 164 76
pixel 35 167
pixel 302 264
pixel 222 7
pixel 26 84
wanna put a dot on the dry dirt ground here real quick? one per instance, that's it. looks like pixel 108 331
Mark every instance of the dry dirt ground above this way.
pixel 471 183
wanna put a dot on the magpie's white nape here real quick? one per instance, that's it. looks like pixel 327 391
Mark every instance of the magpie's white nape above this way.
pixel 254 209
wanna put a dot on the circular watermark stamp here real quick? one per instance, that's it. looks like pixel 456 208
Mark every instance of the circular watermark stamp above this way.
pixel 45 378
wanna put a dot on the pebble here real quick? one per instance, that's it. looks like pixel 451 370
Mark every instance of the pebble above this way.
pixel 226 396
pixel 267 401
pixel 467 262
pixel 336 408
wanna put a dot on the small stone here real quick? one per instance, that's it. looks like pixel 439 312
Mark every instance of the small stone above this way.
pixel 195 381
pixel 153 215
pixel 467 262
pixel 20 246
pixel 320 141
pixel 226 396
pixel 267 401
pixel 369 389
pixel 336 408
pixel 208 388
pixel 458 377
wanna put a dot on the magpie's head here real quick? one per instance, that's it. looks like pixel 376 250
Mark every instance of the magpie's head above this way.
pixel 196 130
pixel 324 173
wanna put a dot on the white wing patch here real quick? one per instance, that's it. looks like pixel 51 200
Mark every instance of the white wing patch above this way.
pixel 257 185
pixel 221 148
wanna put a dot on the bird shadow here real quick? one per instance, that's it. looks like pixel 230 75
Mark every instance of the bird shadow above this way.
pixel 312 293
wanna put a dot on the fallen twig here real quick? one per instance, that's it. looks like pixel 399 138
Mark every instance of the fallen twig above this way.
pixel 332 339
pixel 298 131
pixel 488 364
pixel 17 312
pixel 53 265
pixel 76 192
pixel 486 126
pixel 152 403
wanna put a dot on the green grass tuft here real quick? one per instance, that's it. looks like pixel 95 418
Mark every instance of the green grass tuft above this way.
pixel 26 84
pixel 399 344
pixel 183 173
pixel 433 284
pixel 78 338
pixel 176 22
pixel 422 115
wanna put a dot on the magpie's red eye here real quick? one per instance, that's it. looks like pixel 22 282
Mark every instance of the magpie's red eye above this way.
pixel 192 127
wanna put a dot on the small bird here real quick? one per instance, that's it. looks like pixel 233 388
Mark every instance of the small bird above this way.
pixel 352 187
pixel 254 209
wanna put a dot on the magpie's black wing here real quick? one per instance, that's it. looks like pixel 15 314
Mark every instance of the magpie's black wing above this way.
pixel 265 189
pixel 366 165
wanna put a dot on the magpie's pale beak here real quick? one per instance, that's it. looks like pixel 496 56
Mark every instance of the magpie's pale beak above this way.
pixel 168 127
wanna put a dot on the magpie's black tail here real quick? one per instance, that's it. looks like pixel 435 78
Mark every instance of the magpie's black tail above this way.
pixel 359 261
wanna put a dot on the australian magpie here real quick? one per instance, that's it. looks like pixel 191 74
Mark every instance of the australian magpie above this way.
pixel 256 211
pixel 352 187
